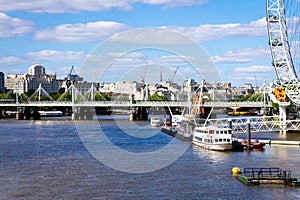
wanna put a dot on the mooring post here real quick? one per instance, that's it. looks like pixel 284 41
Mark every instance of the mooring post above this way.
pixel 230 123
pixel 248 133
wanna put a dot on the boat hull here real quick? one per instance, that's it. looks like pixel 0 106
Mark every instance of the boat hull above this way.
pixel 51 113
pixel 177 133
pixel 216 147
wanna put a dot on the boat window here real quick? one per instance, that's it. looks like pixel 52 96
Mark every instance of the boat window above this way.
pixel 211 132
pixel 228 140
pixel 216 140
pixel 220 140
pixel 224 140
pixel 217 132
pixel 221 132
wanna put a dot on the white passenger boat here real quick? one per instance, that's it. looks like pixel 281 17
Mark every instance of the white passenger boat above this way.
pixel 51 113
pixel 213 138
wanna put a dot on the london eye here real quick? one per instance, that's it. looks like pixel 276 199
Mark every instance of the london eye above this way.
pixel 283 21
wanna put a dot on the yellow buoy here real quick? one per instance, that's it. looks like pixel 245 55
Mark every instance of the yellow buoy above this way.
pixel 236 170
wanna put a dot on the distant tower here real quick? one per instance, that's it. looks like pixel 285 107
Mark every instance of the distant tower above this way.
pixel 37 70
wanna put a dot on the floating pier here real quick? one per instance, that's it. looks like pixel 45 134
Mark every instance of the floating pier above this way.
pixel 257 176
pixel 281 142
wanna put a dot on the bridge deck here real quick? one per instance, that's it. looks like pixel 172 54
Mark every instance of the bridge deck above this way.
pixel 219 104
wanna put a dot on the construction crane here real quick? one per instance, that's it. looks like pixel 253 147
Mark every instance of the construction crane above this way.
pixel 171 80
pixel 72 75
pixel 71 78
pixel 145 73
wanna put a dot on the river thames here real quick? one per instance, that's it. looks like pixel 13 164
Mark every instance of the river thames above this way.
pixel 47 159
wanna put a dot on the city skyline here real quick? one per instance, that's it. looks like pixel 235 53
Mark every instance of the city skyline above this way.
pixel 59 35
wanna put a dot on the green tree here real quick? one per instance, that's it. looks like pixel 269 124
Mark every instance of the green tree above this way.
pixel 65 97
pixel 156 97
pixel 102 97
pixel 9 95
pixel 55 95
pixel 29 92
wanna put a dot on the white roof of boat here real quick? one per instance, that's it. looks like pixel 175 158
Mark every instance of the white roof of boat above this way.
pixel 212 128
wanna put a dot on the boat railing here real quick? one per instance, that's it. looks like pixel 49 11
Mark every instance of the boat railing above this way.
pixel 266 173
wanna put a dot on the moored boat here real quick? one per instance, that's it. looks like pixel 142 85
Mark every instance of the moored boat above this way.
pixel 155 121
pixel 255 143
pixel 213 138
pixel 179 127
pixel 51 113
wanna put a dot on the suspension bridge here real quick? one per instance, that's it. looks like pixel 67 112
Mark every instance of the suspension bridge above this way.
pixel 283 60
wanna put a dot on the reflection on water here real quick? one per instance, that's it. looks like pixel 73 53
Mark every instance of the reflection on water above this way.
pixel 47 160
pixel 214 157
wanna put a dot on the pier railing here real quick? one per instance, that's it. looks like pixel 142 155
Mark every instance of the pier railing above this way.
pixel 257 124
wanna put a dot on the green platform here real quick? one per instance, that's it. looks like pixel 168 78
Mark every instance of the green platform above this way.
pixel 257 176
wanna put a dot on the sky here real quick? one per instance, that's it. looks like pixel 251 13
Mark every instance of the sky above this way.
pixel 59 34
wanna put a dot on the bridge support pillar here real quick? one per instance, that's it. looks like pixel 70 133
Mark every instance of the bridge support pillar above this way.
pixel 83 113
pixel 73 116
pixel 19 116
pixel 139 113
pixel 282 118
pixel 36 115
pixel 1 112
pixel 27 113
pixel 133 114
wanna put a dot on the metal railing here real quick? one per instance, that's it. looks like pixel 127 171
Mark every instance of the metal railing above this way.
pixel 137 103
pixel 257 124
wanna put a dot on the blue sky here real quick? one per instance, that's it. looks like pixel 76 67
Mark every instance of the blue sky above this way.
pixel 62 33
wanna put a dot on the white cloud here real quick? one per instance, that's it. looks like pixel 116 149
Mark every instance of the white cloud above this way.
pixel 92 31
pixel 61 6
pixel 209 32
pixel 254 69
pixel 255 74
pixel 126 54
pixel 100 30
pixel 243 55
pixel 44 55
pixel 10 27
pixel 10 60
pixel 150 36
pixel 202 33
pixel 56 56
pixel 174 3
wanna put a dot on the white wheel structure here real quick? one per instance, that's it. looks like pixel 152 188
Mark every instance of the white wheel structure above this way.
pixel 280 46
